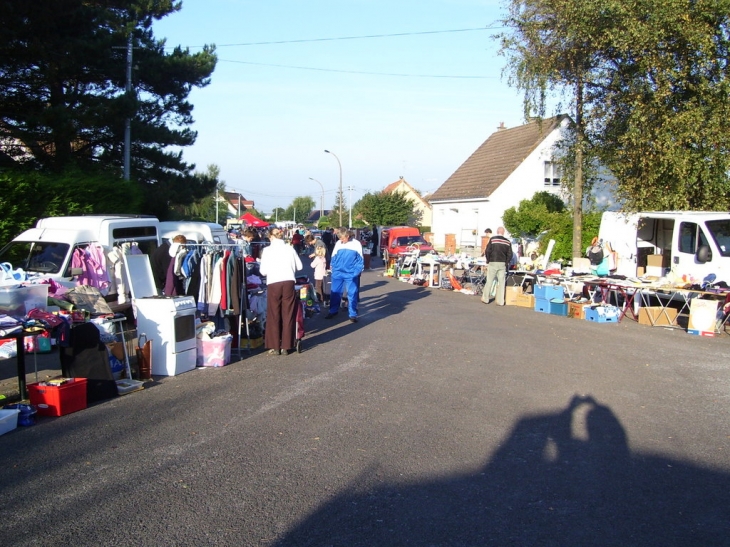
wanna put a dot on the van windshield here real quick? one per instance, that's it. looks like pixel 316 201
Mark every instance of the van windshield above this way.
pixel 45 257
pixel 720 231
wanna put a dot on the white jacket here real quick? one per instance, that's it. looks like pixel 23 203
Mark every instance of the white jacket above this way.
pixel 279 262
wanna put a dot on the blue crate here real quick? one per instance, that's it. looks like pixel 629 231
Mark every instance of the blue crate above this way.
pixel 549 292
pixel 558 307
pixel 542 305
pixel 593 314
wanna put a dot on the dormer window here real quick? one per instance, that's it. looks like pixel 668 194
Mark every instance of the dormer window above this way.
pixel 552 174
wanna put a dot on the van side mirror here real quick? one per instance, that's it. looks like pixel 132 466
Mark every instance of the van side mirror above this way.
pixel 704 254
pixel 73 272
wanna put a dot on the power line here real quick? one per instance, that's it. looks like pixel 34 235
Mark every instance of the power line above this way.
pixel 341 71
pixel 364 37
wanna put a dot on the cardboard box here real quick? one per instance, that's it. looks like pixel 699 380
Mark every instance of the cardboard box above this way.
pixel 255 343
pixel 702 315
pixel 662 261
pixel 512 295
pixel 654 316
pixel 525 301
pixel 654 271
pixel 577 310
pixel 640 271
pixel 59 400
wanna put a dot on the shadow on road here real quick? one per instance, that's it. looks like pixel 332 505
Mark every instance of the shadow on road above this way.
pixel 546 485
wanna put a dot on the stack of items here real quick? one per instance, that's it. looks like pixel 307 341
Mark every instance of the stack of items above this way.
pixel 550 299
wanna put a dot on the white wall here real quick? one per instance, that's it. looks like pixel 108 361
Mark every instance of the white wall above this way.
pixel 523 183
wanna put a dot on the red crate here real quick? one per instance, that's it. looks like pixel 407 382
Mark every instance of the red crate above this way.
pixel 59 400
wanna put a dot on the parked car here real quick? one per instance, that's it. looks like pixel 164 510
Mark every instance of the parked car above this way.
pixel 398 239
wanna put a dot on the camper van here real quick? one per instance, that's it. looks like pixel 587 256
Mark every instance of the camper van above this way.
pixel 690 244
pixel 200 232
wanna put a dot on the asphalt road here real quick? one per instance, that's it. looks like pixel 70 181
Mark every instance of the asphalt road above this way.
pixel 435 420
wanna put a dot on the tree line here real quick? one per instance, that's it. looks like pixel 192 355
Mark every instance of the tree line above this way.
pixel 64 106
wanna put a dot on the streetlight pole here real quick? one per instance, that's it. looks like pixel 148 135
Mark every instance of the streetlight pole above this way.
pixel 341 197
pixel 350 205
pixel 321 201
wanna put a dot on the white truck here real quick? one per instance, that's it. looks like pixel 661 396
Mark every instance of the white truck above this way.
pixel 48 248
pixel 690 244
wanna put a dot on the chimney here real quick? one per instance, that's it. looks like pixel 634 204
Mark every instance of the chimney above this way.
pixel 501 127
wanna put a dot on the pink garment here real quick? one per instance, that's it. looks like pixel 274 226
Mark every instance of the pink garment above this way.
pixel 320 267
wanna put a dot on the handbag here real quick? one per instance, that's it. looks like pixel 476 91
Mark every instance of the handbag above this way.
pixel 88 298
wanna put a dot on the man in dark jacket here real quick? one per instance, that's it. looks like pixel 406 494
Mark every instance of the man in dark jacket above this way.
pixel 498 255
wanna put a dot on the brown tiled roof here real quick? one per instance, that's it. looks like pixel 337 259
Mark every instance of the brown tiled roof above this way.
pixel 393 186
pixel 490 165
pixel 233 197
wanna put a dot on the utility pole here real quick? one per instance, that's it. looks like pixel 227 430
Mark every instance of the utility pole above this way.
pixel 128 121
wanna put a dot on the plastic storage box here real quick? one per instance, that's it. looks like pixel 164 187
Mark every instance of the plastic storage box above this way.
pixel 8 420
pixel 542 305
pixel 558 307
pixel 549 292
pixel 602 314
pixel 59 400
pixel 19 301
pixel 215 352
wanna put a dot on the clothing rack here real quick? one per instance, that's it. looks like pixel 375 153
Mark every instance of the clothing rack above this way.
pixel 243 298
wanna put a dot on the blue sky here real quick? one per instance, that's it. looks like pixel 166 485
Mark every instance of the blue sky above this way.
pixel 266 125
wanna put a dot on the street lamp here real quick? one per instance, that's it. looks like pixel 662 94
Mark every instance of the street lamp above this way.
pixel 321 201
pixel 341 198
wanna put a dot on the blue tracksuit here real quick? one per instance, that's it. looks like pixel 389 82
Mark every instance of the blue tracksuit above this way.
pixel 347 265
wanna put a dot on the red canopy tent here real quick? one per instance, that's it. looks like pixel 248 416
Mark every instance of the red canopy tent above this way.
pixel 251 220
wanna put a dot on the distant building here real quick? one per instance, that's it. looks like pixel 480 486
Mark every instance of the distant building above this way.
pixel 235 203
pixel 421 205
pixel 510 166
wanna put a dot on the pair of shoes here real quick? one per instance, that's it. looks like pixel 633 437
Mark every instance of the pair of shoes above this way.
pixel 353 319
pixel 274 352
pixel 330 315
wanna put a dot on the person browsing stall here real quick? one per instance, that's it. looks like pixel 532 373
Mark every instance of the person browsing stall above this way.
pixel 347 265
pixel 498 255
pixel 279 263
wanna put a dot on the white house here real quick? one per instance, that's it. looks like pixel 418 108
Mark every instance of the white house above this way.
pixel 510 166
pixel 421 206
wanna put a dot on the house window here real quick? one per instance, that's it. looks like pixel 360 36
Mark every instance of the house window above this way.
pixel 552 174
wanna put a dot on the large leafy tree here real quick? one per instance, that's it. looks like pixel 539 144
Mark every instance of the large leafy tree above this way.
pixel 549 48
pixel 300 209
pixel 648 81
pixel 663 103
pixel 387 209
pixel 63 72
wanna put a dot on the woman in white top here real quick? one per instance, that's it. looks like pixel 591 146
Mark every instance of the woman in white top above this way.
pixel 279 263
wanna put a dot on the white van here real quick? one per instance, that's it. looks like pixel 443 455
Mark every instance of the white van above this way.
pixel 201 232
pixel 691 243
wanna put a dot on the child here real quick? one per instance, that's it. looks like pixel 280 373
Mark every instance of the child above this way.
pixel 319 264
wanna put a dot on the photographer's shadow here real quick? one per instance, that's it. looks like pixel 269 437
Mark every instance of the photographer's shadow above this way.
pixel 565 478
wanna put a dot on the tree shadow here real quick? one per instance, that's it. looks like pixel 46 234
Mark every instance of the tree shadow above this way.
pixel 546 485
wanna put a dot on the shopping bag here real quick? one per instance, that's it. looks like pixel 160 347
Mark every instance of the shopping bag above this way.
pixel 88 298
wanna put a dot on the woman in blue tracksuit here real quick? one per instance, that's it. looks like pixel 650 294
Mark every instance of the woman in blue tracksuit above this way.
pixel 347 265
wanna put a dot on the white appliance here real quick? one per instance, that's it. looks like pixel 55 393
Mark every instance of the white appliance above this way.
pixel 168 321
